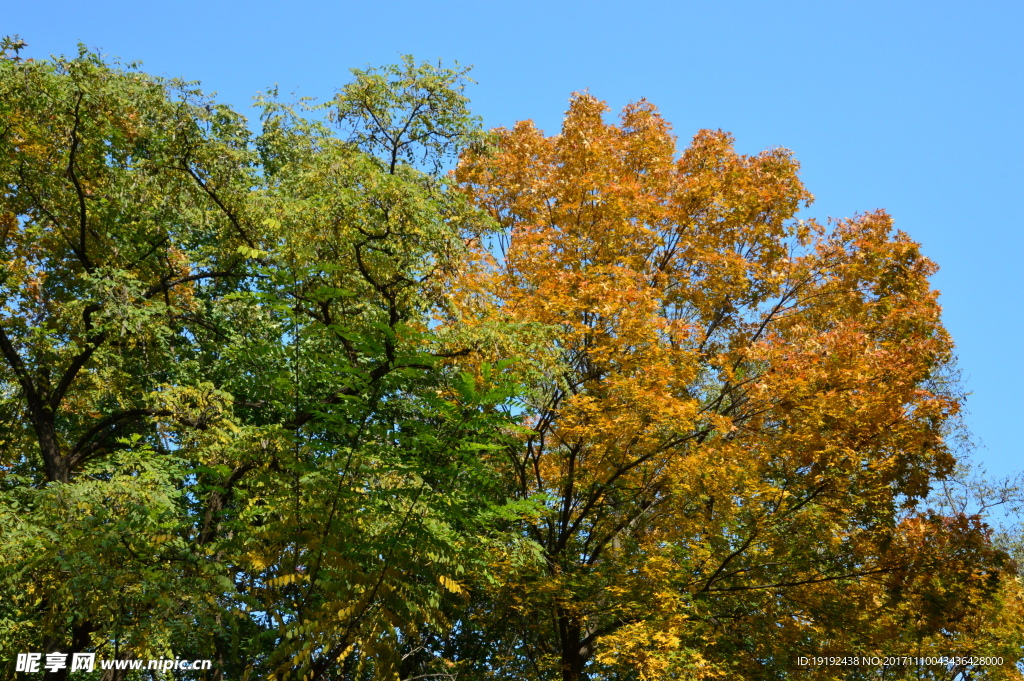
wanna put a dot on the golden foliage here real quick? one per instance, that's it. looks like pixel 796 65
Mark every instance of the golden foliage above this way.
pixel 732 410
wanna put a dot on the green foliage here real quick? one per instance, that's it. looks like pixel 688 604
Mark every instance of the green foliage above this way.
pixel 229 431
pixel 408 112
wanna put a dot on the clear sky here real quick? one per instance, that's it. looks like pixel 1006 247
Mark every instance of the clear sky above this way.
pixel 911 106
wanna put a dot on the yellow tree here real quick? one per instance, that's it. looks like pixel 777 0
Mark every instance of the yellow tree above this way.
pixel 733 413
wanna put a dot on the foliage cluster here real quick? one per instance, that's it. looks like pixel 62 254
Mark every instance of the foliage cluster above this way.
pixel 302 403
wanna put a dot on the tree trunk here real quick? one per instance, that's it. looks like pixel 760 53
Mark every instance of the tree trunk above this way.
pixel 574 654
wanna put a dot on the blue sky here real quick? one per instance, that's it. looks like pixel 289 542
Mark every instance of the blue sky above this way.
pixel 914 107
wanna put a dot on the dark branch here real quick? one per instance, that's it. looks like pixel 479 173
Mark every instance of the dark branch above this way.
pixel 80 250
pixel 86 445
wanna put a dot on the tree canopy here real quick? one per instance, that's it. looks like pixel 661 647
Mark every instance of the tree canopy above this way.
pixel 301 402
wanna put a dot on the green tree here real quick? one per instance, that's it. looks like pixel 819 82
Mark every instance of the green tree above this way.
pixel 228 429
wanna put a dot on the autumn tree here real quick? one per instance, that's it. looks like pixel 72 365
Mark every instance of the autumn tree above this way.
pixel 733 414
pixel 298 401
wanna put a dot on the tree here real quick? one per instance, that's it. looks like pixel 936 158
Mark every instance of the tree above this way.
pixel 228 429
pixel 110 223
pixel 736 418
pixel 269 398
